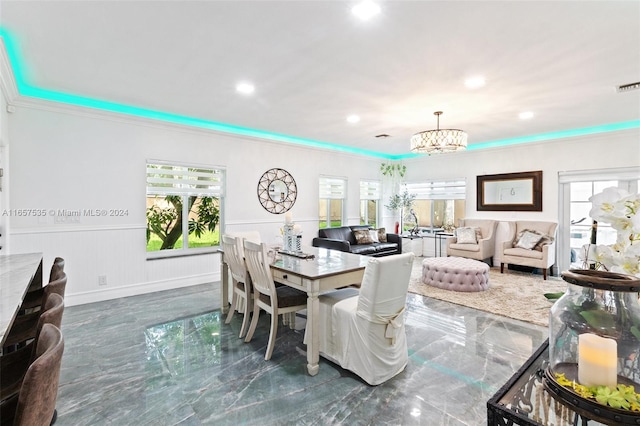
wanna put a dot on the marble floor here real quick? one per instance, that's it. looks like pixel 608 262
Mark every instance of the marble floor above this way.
pixel 167 358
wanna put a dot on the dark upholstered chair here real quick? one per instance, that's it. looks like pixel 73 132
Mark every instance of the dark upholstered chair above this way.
pixel 35 404
pixel 56 269
pixel 34 300
pixel 13 365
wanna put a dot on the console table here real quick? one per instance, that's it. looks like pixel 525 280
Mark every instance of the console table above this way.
pixel 524 401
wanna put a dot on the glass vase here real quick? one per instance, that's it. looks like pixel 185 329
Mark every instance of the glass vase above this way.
pixel 594 329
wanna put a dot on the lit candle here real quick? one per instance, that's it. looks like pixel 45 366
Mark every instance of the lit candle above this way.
pixel 287 217
pixel 297 229
pixel 597 361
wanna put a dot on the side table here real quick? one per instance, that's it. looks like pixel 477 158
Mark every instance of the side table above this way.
pixel 524 401
pixel 412 243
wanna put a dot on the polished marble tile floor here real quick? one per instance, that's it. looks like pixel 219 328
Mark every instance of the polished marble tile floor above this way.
pixel 167 358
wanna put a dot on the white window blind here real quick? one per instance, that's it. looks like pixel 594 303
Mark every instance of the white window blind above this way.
pixel 369 190
pixel 333 188
pixel 438 190
pixel 165 179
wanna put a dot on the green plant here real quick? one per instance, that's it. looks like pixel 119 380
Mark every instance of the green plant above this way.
pixel 392 169
pixel 401 201
pixel 622 397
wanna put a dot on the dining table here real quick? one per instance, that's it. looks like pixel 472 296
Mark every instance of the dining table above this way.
pixel 313 270
pixel 18 272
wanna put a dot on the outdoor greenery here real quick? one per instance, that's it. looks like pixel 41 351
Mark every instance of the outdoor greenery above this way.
pixel 164 224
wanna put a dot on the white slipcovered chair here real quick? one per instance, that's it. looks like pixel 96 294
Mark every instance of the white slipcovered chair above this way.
pixel 530 243
pixel 364 331
pixel 474 246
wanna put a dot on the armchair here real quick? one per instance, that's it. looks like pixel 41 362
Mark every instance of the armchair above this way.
pixel 479 247
pixel 530 243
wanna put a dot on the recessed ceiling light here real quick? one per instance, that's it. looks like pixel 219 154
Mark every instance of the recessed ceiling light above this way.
pixel 525 115
pixel 353 118
pixel 365 10
pixel 245 88
pixel 475 82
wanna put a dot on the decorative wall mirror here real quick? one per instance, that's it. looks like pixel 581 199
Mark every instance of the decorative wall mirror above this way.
pixel 277 191
pixel 510 192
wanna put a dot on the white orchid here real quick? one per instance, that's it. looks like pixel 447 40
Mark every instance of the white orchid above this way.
pixel 620 209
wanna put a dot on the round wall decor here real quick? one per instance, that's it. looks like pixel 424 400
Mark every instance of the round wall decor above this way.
pixel 277 191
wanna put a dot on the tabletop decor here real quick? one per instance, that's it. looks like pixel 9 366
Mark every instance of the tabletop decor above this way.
pixel 292 235
pixel 594 327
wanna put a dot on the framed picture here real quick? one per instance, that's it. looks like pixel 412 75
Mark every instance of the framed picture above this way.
pixel 510 192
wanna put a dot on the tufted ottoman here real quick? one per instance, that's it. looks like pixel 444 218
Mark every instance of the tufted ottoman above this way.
pixel 455 273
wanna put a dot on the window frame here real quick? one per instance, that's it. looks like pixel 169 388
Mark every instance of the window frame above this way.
pixel 183 187
pixel 370 190
pixel 332 188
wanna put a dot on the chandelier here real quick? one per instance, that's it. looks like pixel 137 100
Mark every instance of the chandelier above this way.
pixel 439 140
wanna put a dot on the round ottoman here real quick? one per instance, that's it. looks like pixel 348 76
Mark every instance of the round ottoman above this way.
pixel 455 273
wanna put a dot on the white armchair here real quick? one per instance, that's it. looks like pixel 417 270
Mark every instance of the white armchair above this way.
pixel 364 331
pixel 480 247
pixel 530 243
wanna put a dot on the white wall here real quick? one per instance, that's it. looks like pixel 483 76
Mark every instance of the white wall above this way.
pixel 62 158
pixel 68 160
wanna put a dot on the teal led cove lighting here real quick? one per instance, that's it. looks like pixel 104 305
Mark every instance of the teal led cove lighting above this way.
pixel 27 90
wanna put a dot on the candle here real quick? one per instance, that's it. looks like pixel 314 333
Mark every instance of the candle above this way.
pixel 287 217
pixel 597 361
pixel 297 229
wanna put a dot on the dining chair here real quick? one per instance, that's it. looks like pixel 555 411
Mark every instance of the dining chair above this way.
pixel 34 300
pixel 56 268
pixel 241 280
pixel 35 404
pixel 274 300
pixel 364 331
pixel 14 365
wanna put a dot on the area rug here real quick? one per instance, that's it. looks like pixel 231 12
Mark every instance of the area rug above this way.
pixel 514 294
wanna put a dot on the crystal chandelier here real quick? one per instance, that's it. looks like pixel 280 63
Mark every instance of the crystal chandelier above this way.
pixel 439 140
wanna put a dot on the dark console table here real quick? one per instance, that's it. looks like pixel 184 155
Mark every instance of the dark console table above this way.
pixel 524 401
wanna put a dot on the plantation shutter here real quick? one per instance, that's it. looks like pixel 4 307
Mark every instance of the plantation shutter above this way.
pixel 333 188
pixel 171 179
pixel 438 190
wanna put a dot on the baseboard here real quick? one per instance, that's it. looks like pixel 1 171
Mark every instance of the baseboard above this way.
pixel 137 289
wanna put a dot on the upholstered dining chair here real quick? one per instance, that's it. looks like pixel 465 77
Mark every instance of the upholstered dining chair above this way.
pixel 35 404
pixel 364 332
pixel 34 300
pixel 14 364
pixel 56 269
pixel 274 300
pixel 242 288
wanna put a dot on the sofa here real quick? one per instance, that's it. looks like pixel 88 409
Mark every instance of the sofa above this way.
pixel 474 239
pixel 360 239
pixel 530 243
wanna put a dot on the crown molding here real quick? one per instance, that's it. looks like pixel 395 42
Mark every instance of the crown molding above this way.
pixel 7 79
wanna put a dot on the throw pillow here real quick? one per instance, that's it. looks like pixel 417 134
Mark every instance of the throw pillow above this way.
pixel 528 240
pixel 382 235
pixel 373 233
pixel 546 239
pixel 362 236
pixel 466 235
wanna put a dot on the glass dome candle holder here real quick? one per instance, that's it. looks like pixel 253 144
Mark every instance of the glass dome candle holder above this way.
pixel 594 341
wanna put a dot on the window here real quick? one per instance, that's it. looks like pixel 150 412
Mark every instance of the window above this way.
pixel 183 207
pixel 331 204
pixel 369 202
pixel 438 204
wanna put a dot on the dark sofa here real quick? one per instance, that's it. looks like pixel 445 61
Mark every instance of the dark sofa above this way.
pixel 344 239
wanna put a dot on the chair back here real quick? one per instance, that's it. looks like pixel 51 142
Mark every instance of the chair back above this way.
pixel 58 286
pixel 39 390
pixel 258 266
pixel 234 257
pixel 383 292
pixel 56 269
pixel 487 226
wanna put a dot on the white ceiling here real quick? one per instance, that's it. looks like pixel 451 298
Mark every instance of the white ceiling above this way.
pixel 313 63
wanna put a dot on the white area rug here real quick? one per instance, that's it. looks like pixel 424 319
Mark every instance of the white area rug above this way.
pixel 516 295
